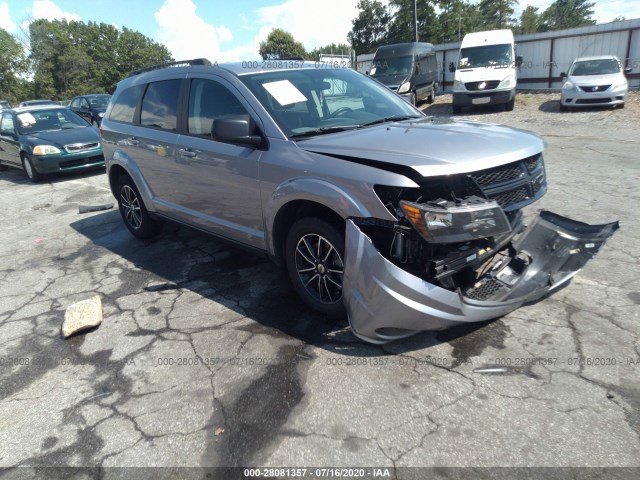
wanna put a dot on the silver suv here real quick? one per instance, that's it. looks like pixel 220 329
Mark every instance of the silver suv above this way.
pixel 401 221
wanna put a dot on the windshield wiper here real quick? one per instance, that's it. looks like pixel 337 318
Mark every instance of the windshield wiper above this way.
pixel 393 118
pixel 323 130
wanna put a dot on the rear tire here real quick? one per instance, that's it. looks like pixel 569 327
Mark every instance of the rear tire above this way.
pixel 133 212
pixel 3 168
pixel 30 170
pixel 314 255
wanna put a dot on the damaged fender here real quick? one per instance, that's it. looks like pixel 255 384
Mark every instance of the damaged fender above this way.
pixel 385 303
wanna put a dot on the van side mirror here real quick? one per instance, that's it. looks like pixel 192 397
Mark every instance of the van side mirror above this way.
pixel 519 61
pixel 366 72
pixel 452 67
pixel 628 70
pixel 563 75
pixel 235 129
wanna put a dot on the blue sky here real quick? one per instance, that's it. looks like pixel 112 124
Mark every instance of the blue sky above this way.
pixel 224 30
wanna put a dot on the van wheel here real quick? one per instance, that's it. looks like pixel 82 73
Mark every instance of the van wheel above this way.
pixel 133 212
pixel 457 109
pixel 564 108
pixel 432 95
pixel 314 253
pixel 30 170
pixel 510 104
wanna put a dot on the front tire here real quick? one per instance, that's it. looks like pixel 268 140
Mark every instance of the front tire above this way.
pixel 314 254
pixel 30 170
pixel 457 109
pixel 133 212
pixel 432 95
pixel 510 104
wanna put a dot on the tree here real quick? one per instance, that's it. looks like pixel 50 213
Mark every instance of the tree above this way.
pixel 402 27
pixel 13 64
pixel 369 28
pixel 456 19
pixel 529 20
pixel 281 44
pixel 74 58
pixel 563 14
pixel 497 14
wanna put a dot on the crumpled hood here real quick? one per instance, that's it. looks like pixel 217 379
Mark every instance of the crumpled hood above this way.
pixel 431 146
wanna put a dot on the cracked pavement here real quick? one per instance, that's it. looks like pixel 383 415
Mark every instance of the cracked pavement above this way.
pixel 207 358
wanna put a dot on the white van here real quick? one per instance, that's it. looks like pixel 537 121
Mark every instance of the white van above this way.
pixel 486 73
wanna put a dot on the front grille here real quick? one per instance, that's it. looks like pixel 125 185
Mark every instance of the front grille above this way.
pixel 593 101
pixel 500 174
pixel 487 289
pixel 512 196
pixel 80 147
pixel 513 185
pixel 487 85
pixel 595 88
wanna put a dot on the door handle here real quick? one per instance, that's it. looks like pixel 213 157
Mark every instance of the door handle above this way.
pixel 187 152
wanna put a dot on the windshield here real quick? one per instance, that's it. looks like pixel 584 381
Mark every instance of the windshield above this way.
pixel 309 100
pixel 391 66
pixel 45 120
pixel 498 56
pixel 98 101
pixel 595 67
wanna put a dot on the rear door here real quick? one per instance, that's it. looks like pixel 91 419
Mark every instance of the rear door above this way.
pixel 219 189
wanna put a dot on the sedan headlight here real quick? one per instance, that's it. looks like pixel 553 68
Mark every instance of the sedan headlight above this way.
pixel 450 222
pixel 620 85
pixel 404 88
pixel 45 150
pixel 568 85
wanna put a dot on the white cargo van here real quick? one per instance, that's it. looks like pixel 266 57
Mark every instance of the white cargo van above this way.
pixel 486 73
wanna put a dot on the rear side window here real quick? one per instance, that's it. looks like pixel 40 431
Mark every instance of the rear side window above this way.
pixel 124 107
pixel 209 100
pixel 160 105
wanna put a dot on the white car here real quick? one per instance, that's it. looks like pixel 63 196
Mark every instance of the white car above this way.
pixel 594 81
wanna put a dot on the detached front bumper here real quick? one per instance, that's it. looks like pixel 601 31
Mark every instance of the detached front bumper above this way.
pixel 386 303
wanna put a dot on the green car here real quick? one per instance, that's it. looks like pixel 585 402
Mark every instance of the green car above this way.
pixel 47 139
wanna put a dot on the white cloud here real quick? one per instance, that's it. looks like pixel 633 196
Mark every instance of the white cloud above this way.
pixel 314 24
pixel 5 18
pixel 186 34
pixel 50 11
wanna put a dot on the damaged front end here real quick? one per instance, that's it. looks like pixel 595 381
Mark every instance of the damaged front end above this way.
pixel 459 253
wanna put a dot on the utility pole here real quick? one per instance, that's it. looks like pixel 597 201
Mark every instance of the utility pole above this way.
pixel 415 16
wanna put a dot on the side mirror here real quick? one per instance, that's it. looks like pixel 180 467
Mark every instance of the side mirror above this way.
pixel 563 75
pixel 519 61
pixel 366 72
pixel 628 70
pixel 235 129
pixel 452 67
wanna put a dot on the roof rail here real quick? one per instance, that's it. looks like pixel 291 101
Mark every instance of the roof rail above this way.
pixel 179 63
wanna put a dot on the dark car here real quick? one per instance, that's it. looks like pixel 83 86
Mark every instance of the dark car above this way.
pixel 32 103
pixel 47 139
pixel 91 107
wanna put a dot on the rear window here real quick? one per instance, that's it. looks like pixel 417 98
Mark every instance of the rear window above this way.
pixel 160 105
pixel 124 107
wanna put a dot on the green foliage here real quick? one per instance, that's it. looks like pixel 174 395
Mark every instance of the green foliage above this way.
pixel 369 28
pixel 402 26
pixel 75 58
pixel 13 64
pixel 281 44
pixel 456 19
pixel 563 14
pixel 497 14
pixel 529 20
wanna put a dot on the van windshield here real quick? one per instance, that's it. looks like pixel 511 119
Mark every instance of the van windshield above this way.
pixel 392 66
pixel 498 56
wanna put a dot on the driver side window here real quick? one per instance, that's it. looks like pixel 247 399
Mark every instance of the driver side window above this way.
pixel 6 124
pixel 209 100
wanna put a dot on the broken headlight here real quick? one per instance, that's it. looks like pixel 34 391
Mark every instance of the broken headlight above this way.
pixel 444 221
